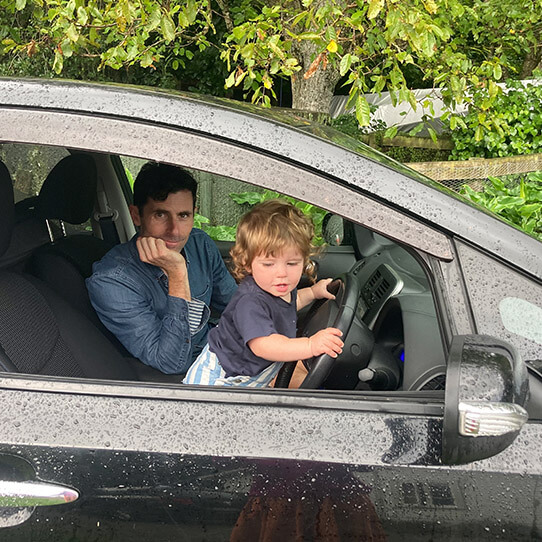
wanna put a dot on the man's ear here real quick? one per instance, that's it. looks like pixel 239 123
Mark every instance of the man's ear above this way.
pixel 134 213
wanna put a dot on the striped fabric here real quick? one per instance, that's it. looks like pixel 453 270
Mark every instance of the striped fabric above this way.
pixel 195 313
pixel 206 370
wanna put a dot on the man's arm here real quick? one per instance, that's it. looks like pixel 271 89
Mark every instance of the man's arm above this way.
pixel 127 308
pixel 154 251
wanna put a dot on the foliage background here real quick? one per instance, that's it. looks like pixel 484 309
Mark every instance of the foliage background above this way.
pixel 309 49
pixel 508 124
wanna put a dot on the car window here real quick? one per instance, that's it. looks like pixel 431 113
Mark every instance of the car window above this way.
pixel 29 166
pixel 222 201
pixel 505 303
pixel 396 304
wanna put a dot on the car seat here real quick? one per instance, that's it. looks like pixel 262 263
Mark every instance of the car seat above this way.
pixel 40 333
pixel 67 195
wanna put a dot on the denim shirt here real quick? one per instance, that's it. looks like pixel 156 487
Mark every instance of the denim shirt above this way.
pixel 131 299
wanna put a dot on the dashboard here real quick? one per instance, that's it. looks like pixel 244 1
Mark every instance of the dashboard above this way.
pixel 394 342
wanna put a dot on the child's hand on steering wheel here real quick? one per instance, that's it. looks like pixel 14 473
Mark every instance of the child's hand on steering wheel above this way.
pixel 320 291
pixel 326 341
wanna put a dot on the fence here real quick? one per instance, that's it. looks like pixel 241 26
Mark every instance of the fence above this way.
pixel 455 174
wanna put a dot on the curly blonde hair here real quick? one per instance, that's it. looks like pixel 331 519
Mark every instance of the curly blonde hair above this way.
pixel 267 230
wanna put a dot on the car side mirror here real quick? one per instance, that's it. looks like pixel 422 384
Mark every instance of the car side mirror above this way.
pixel 486 390
pixel 333 229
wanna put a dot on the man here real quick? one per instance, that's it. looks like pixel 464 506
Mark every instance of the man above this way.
pixel 154 293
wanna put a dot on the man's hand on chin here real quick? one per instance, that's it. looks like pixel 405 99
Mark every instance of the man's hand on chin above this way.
pixel 155 252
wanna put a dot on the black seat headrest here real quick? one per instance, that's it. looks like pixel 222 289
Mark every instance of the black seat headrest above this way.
pixel 69 190
pixel 7 208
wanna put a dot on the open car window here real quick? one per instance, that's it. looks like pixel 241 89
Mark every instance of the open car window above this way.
pixel 395 307
pixel 396 300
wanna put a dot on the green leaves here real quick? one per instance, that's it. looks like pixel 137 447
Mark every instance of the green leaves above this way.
pixel 499 123
pixel 218 233
pixel 82 16
pixel 375 7
pixel 517 201
pixel 230 81
pixel 58 63
pixel 168 28
pixel 71 33
pixel 152 19
pixel 120 33
pixel 461 46
pixel 430 6
pixel 346 63
pixel 363 111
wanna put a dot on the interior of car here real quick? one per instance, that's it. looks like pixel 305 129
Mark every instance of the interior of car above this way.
pixel 56 222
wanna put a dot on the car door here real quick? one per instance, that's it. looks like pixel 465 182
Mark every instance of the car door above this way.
pixel 169 462
pixel 178 463
pixel 160 460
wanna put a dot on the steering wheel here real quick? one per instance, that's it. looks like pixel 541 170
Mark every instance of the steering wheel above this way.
pixel 338 313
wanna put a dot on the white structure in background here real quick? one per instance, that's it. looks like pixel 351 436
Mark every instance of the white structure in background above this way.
pixel 403 115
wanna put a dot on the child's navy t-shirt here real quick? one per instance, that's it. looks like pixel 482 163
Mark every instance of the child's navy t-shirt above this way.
pixel 251 313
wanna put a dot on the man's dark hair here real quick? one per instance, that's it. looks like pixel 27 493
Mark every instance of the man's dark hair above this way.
pixel 158 181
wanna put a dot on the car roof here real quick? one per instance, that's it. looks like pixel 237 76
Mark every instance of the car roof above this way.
pixel 315 147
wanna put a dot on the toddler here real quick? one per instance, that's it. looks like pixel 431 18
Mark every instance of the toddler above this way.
pixel 257 330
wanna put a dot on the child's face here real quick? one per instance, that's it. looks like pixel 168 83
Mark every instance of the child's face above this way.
pixel 279 274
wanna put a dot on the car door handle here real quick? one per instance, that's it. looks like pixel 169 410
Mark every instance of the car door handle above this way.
pixel 21 494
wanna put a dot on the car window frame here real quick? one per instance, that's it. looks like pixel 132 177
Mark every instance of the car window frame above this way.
pixel 206 153
pixel 426 403
pixel 124 137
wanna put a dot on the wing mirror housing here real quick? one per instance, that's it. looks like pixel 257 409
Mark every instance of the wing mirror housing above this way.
pixel 487 389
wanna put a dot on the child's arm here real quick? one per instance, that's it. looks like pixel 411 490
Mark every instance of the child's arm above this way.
pixel 316 291
pixel 280 348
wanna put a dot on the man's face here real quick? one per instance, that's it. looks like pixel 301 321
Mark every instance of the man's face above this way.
pixel 170 220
